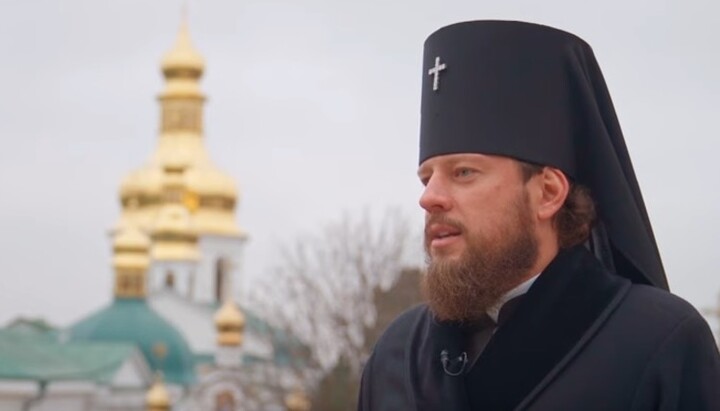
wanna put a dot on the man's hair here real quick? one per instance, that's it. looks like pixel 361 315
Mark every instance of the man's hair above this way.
pixel 576 217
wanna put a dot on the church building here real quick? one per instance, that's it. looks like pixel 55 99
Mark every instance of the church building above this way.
pixel 172 337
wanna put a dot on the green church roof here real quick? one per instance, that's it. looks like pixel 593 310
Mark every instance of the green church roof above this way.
pixel 25 356
pixel 133 321
pixel 31 325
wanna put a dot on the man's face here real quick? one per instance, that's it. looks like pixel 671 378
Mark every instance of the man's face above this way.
pixel 479 232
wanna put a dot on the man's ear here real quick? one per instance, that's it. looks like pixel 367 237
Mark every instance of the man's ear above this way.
pixel 554 187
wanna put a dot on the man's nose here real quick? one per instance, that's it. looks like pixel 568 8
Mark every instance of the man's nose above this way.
pixel 435 197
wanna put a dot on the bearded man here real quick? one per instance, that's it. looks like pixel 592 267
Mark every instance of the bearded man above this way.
pixel 545 289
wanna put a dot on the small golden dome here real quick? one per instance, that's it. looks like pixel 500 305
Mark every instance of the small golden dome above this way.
pixel 130 238
pixel 229 322
pixel 297 401
pixel 229 316
pixel 157 397
pixel 130 250
pixel 183 60
pixel 141 216
pixel 206 180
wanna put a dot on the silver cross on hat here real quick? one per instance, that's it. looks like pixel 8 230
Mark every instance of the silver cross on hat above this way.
pixel 435 71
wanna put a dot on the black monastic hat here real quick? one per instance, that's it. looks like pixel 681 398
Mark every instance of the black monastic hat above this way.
pixel 537 94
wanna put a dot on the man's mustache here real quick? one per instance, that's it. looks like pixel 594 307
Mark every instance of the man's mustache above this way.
pixel 442 219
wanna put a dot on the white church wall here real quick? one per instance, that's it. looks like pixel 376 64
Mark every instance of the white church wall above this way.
pixel 11 404
pixel 133 373
pixel 125 399
pixel 15 394
pixel 122 400
pixel 183 273
pixel 194 322
pixel 228 356
pixel 213 249
pixel 67 396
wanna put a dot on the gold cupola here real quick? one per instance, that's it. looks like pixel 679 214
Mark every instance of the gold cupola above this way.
pixel 229 323
pixel 215 197
pixel 180 170
pixel 183 60
pixel 141 194
pixel 130 262
pixel 157 397
pixel 182 100
pixel 173 238
pixel 297 401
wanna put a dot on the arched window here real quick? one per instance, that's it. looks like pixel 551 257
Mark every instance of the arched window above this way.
pixel 170 280
pixel 220 274
pixel 225 401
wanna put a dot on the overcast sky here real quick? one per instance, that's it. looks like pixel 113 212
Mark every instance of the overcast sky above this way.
pixel 314 109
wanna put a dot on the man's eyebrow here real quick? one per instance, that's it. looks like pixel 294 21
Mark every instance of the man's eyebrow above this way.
pixel 423 170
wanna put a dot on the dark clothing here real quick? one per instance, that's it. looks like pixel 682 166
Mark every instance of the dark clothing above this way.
pixel 580 339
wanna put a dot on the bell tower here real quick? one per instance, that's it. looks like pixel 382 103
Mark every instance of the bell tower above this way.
pixel 179 198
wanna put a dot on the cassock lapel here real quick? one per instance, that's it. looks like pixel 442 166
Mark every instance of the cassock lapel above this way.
pixel 565 306
pixel 433 388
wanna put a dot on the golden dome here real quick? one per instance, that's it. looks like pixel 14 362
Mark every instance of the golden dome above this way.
pixel 230 323
pixel 157 397
pixel 173 219
pixel 130 238
pixel 216 197
pixel 130 249
pixel 180 170
pixel 183 60
pixel 173 238
pixel 297 401
pixel 229 316
pixel 206 180
pixel 145 181
pixel 141 216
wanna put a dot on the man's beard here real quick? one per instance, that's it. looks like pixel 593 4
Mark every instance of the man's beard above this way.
pixel 462 290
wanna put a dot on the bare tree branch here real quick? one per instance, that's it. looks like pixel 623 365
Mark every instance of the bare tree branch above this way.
pixel 322 286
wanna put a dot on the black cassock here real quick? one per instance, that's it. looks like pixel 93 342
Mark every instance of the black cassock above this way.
pixel 581 339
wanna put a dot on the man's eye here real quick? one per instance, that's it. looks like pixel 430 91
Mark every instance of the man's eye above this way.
pixel 464 172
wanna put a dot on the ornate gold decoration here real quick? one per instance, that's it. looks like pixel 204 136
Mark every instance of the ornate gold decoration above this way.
pixel 230 323
pixel 297 401
pixel 157 397
pixel 181 116
pixel 180 171
pixel 160 350
pixel 191 201
pixel 130 261
pixel 173 237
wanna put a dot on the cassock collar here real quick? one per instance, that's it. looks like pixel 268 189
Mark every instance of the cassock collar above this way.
pixel 494 311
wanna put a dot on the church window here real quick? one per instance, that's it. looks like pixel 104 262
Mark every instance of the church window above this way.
pixel 225 401
pixel 220 273
pixel 170 280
